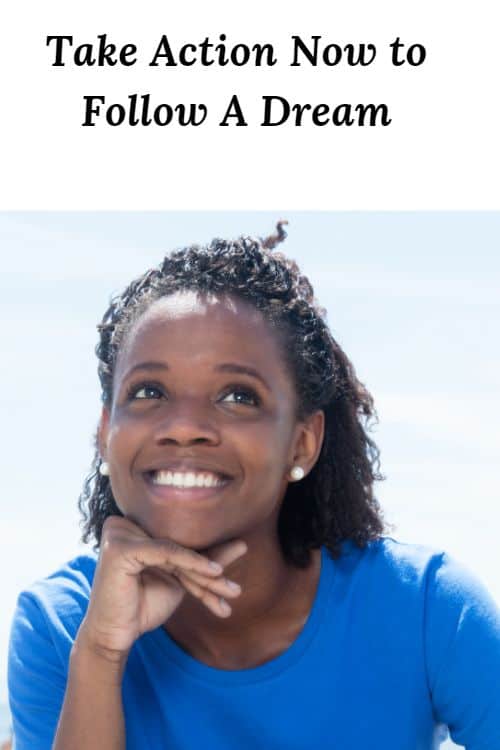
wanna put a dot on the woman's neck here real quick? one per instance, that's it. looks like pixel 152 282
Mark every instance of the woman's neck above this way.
pixel 266 618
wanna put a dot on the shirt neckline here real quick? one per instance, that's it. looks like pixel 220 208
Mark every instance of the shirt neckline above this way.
pixel 174 653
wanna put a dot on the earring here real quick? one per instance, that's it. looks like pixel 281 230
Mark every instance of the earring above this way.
pixel 104 469
pixel 297 473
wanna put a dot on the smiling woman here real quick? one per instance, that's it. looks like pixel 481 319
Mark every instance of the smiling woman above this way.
pixel 194 410
pixel 233 441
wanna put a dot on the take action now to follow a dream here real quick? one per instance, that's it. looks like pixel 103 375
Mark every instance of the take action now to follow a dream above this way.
pixel 139 109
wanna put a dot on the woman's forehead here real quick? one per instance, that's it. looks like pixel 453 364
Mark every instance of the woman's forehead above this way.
pixel 191 322
pixel 191 303
pixel 198 311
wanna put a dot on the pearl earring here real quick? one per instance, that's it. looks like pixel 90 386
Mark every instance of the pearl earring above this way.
pixel 297 473
pixel 104 469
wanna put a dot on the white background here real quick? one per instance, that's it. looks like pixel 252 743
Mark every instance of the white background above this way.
pixel 440 152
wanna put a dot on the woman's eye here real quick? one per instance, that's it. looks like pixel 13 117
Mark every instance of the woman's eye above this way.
pixel 145 392
pixel 241 396
pixel 149 391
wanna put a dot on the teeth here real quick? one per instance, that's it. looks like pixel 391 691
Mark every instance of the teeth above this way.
pixel 186 479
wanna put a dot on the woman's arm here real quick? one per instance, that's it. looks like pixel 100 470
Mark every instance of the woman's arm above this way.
pixel 92 712
pixel 463 654
pixel 71 698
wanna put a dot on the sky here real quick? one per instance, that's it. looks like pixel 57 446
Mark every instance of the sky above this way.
pixel 413 298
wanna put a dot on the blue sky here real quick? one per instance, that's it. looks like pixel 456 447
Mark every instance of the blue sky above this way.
pixel 413 298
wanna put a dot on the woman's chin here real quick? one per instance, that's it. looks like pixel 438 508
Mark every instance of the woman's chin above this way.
pixel 197 538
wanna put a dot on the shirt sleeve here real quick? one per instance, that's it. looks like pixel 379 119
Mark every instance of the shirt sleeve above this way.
pixel 462 642
pixel 36 678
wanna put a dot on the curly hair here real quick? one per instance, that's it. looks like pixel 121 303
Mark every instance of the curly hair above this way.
pixel 335 501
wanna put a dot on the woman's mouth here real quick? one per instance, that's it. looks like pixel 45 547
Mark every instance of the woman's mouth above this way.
pixel 186 479
pixel 185 485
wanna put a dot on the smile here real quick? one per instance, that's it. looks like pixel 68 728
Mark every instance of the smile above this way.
pixel 187 479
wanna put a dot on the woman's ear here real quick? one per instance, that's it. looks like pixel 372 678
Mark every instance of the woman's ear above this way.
pixel 308 441
pixel 102 432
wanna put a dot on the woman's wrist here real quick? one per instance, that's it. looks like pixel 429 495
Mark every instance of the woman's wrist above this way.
pixel 90 661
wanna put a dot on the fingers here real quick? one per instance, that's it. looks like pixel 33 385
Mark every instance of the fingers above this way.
pixel 210 592
pixel 121 535
pixel 216 604
pixel 227 552
pixel 221 586
pixel 213 592
pixel 166 554
pixel 200 569
pixel 211 562
pixel 199 573
pixel 121 539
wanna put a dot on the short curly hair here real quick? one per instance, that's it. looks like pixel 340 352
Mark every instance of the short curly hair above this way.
pixel 335 501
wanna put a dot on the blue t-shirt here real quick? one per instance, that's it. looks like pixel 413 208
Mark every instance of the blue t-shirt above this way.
pixel 401 641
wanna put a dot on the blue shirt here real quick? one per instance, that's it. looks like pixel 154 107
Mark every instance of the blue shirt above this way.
pixel 401 641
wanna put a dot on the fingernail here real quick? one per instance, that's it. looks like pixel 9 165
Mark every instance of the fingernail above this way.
pixel 215 566
pixel 224 605
pixel 233 585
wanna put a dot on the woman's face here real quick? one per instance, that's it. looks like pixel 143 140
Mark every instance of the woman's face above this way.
pixel 200 388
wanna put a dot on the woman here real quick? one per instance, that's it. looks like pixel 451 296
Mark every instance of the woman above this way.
pixel 244 594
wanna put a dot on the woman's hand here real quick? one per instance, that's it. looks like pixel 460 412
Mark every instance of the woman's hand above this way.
pixel 140 581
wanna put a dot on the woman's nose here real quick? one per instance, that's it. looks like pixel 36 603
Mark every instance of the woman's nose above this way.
pixel 185 425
